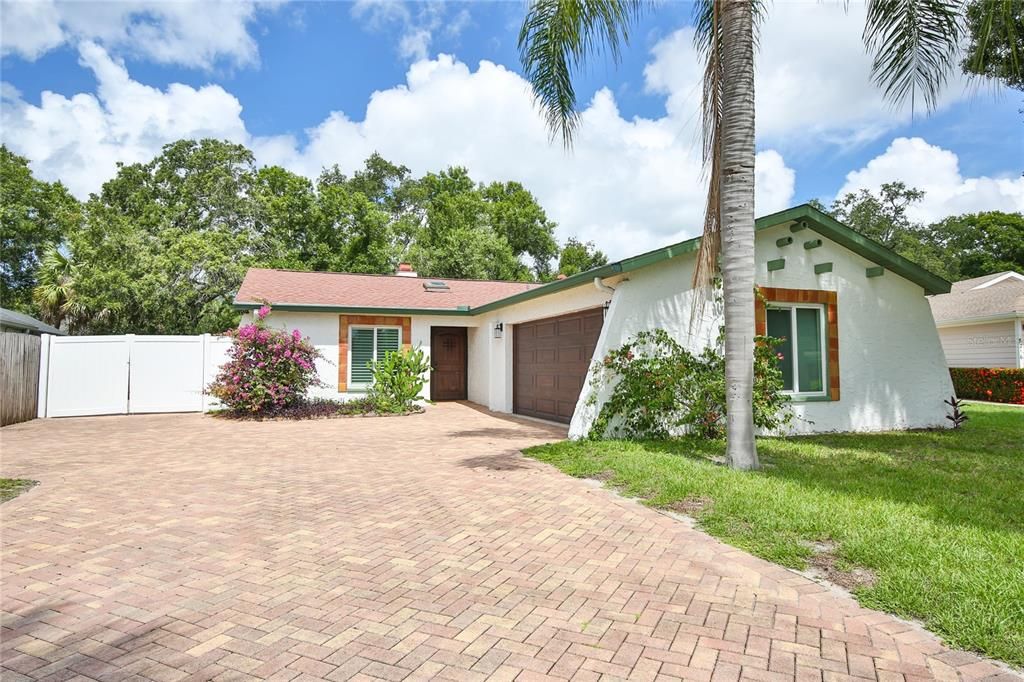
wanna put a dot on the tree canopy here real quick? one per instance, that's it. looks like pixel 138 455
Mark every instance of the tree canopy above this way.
pixel 163 246
pixel 34 215
pixel 958 247
pixel 995 44
pixel 578 256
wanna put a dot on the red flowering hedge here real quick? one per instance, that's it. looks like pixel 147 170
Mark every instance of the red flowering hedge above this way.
pixel 993 384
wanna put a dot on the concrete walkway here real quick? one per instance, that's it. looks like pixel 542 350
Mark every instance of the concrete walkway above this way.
pixel 175 547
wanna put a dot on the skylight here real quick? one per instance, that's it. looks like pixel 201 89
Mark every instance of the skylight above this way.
pixel 435 285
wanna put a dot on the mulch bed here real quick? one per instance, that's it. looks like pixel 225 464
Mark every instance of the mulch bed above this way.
pixel 316 409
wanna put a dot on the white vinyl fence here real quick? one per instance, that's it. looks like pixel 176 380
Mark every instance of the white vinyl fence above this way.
pixel 88 375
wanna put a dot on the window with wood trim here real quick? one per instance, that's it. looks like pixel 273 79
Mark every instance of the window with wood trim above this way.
pixel 367 345
pixel 802 351
pixel 807 321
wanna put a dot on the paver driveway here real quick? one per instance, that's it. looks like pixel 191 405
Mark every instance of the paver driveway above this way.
pixel 179 546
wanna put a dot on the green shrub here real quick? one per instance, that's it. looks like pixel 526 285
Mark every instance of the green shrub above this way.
pixel 994 384
pixel 659 388
pixel 398 380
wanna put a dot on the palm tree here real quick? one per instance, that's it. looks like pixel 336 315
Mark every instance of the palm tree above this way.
pixel 914 44
pixel 54 295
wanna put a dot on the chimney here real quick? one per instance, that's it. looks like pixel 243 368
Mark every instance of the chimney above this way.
pixel 405 270
pixel 561 276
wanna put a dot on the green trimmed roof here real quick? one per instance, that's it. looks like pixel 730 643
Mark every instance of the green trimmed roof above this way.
pixel 816 220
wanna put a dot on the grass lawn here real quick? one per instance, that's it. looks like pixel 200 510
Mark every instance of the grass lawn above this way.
pixel 929 523
pixel 12 487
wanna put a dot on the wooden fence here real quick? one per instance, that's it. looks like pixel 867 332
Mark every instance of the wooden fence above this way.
pixel 19 377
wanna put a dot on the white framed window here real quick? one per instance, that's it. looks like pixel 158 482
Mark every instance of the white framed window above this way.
pixel 804 348
pixel 367 345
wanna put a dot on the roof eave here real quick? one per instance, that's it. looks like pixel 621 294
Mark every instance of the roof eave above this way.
pixel 980 319
pixel 865 247
pixel 352 310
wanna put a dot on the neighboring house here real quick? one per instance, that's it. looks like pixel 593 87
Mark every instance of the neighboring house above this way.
pixel 13 321
pixel 981 321
pixel 862 354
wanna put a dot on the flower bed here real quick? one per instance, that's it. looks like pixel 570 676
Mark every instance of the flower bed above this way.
pixel 993 384
pixel 317 409
pixel 269 372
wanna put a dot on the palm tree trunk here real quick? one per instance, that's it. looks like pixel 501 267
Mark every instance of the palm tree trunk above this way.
pixel 737 227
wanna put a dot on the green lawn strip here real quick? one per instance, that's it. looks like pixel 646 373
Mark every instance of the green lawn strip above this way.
pixel 12 487
pixel 936 517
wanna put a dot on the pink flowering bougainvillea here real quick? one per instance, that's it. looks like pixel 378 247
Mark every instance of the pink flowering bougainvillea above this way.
pixel 267 369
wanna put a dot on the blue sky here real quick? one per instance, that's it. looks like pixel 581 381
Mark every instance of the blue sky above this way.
pixel 294 82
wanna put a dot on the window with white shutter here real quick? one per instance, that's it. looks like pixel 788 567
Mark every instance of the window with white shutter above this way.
pixel 366 346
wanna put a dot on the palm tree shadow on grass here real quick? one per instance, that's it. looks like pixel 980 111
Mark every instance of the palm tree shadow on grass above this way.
pixel 936 470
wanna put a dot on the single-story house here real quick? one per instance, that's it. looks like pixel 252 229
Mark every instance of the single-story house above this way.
pixel 20 323
pixel 981 321
pixel 863 352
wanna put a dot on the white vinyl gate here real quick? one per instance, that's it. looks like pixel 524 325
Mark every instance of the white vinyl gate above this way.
pixel 89 375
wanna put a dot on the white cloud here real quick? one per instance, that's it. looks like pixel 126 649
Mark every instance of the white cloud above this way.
pixel 194 33
pixel 418 22
pixel 813 78
pixel 936 171
pixel 774 182
pixel 80 139
pixel 29 29
pixel 629 184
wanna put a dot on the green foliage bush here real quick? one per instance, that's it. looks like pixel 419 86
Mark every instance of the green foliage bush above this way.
pixel 659 389
pixel 398 380
pixel 989 383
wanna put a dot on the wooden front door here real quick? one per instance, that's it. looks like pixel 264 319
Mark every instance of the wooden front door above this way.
pixel 447 363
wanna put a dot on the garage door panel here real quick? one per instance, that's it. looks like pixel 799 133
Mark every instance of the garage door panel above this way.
pixel 552 358
pixel 544 405
pixel 572 354
pixel 545 356
pixel 570 384
pixel 571 326
pixel 547 330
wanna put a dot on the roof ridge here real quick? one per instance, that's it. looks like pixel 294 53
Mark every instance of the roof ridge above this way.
pixel 405 277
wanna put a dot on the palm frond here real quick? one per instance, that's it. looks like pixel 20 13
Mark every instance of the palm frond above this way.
pixel 54 294
pixel 914 45
pixel 556 38
pixel 708 42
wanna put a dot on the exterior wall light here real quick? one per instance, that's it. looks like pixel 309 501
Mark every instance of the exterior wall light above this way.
pixel 499 329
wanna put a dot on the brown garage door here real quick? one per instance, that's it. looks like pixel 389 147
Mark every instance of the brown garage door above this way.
pixel 551 359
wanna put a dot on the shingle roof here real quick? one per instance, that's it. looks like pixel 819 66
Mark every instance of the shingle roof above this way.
pixel 975 282
pixel 966 301
pixel 16 320
pixel 368 291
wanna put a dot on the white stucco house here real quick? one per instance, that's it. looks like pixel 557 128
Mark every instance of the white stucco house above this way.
pixel 981 321
pixel 863 353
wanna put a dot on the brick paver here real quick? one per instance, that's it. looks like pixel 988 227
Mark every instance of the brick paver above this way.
pixel 182 547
